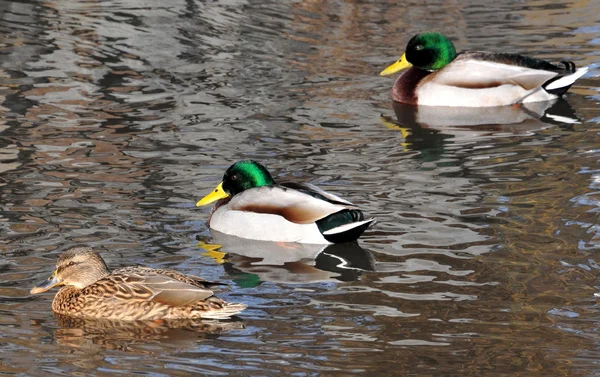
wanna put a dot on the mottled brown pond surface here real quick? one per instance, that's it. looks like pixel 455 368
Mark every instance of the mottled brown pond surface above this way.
pixel 116 116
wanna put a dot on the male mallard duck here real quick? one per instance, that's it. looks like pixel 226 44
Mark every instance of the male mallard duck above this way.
pixel 438 76
pixel 132 293
pixel 253 206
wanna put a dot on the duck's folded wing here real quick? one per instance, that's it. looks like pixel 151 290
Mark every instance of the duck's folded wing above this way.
pixel 149 287
pixel 293 205
pixel 315 191
pixel 184 278
pixel 494 71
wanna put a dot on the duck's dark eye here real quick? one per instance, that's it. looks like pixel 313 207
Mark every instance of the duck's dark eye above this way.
pixel 418 47
pixel 71 263
pixel 234 177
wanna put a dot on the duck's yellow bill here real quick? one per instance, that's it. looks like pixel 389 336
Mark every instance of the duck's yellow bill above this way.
pixel 215 195
pixel 51 282
pixel 397 66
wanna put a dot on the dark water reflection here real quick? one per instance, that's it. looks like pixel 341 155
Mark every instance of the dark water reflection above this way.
pixel 117 116
pixel 252 262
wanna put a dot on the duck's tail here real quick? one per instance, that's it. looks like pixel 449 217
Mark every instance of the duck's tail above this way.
pixel 560 84
pixel 225 311
pixel 344 226
pixel 347 232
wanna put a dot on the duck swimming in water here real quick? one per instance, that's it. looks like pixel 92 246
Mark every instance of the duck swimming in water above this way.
pixel 91 290
pixel 251 205
pixel 438 76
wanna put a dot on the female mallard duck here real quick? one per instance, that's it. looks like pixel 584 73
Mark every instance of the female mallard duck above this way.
pixel 438 76
pixel 253 206
pixel 90 290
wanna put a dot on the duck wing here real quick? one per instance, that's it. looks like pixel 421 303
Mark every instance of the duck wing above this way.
pixel 481 70
pixel 184 278
pixel 145 285
pixel 295 205
pixel 316 192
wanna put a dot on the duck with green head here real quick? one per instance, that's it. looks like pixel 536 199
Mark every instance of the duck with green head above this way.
pixel 251 205
pixel 438 76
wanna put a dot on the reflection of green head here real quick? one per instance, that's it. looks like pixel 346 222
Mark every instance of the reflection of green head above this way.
pixel 244 175
pixel 430 51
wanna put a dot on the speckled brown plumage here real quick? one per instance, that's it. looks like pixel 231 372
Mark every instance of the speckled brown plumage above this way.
pixel 132 293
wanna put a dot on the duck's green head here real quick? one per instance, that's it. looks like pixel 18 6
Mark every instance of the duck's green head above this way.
pixel 242 175
pixel 427 51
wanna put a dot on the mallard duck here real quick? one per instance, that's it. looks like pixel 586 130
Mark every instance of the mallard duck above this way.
pixel 251 205
pixel 438 76
pixel 90 290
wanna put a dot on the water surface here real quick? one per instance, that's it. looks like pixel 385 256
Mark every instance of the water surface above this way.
pixel 117 116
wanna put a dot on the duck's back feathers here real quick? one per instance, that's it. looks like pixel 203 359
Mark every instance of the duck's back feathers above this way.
pixel 515 60
pixel 188 279
pixel 345 225
pixel 293 205
pixel 316 192
pixel 472 71
pixel 150 286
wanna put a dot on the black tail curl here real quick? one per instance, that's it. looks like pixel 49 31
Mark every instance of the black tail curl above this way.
pixel 569 65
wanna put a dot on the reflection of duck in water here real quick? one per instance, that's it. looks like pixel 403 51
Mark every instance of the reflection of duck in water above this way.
pixel 287 262
pixel 101 333
pixel 252 206
pixel 132 293
pixel 438 76
pixel 425 127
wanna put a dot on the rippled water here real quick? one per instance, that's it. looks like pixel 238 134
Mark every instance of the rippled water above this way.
pixel 117 115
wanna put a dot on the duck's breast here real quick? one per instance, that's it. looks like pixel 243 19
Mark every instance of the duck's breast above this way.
pixel 264 227
pixel 404 90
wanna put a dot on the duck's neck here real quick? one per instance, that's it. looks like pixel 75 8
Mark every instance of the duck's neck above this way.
pixel 68 299
pixel 404 90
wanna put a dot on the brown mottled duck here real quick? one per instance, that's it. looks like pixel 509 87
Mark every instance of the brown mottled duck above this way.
pixel 91 290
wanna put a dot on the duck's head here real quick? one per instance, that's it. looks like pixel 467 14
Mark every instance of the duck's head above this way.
pixel 79 267
pixel 242 175
pixel 427 51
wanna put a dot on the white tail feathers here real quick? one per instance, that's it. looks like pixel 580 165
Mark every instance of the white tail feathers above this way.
pixel 566 80
pixel 346 227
